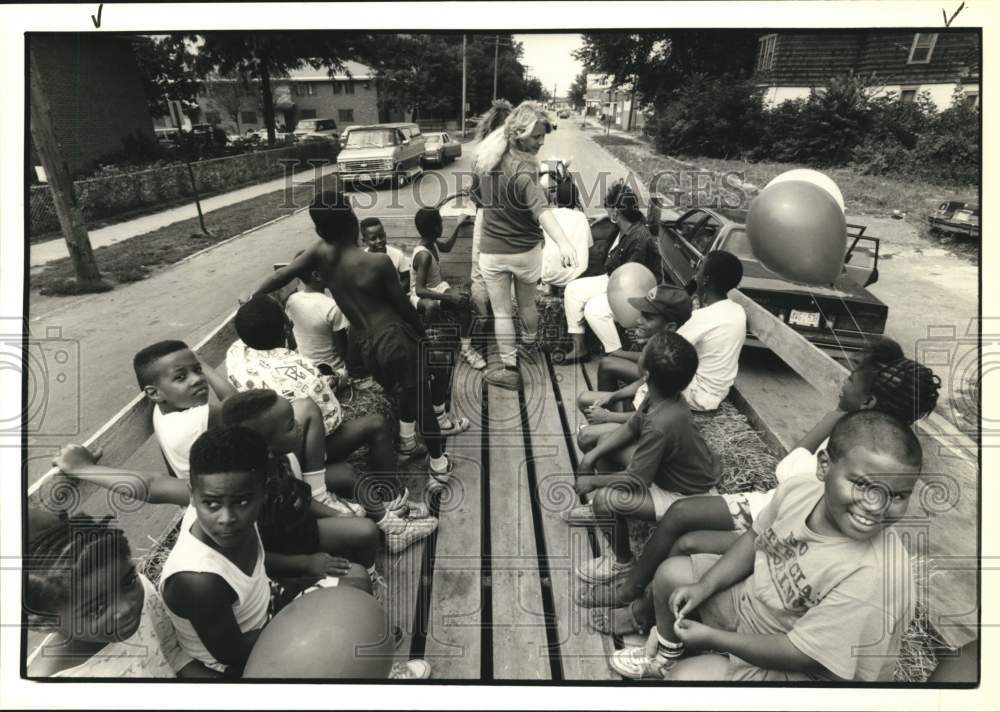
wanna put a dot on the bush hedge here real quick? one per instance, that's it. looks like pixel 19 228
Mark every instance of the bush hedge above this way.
pixel 853 121
pixel 114 193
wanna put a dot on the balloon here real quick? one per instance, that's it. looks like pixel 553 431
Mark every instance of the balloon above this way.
pixel 631 280
pixel 816 178
pixel 797 230
pixel 329 633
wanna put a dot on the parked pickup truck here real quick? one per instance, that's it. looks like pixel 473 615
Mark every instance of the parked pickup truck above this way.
pixel 839 318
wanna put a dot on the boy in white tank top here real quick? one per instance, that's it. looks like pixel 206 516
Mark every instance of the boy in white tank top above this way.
pixel 214 583
pixel 429 292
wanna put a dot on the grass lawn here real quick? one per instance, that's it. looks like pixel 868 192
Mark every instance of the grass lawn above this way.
pixel 136 258
pixel 865 195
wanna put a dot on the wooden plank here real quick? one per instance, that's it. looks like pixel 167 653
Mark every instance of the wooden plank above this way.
pixel 820 370
pixel 584 653
pixel 520 646
pixel 454 634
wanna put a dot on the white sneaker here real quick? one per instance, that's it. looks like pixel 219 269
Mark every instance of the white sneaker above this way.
pixel 438 480
pixel 636 664
pixel 603 569
pixel 401 533
pixel 410 670
pixel 473 358
pixel 350 509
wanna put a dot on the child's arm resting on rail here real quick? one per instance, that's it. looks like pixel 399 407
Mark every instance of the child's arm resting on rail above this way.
pixel 445 244
pixel 298 267
pixel 79 463
pixel 207 601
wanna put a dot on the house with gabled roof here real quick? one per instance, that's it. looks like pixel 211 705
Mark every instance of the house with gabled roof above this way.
pixel 791 63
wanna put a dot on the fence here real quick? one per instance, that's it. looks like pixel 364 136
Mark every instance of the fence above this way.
pixel 111 196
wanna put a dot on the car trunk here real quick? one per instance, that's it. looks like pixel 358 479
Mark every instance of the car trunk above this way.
pixel 841 315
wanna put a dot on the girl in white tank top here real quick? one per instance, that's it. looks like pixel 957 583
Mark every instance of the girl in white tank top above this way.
pixel 253 592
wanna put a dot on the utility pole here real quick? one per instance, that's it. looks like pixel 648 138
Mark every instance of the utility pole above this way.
pixel 60 183
pixel 496 62
pixel 463 85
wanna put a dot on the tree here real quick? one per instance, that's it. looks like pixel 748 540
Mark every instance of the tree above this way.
pixel 656 63
pixel 168 68
pixel 234 94
pixel 578 90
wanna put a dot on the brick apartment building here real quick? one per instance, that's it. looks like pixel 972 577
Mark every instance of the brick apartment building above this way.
pixel 95 93
pixel 349 97
pixel 790 64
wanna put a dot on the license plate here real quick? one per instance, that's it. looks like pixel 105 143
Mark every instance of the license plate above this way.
pixel 364 177
pixel 801 318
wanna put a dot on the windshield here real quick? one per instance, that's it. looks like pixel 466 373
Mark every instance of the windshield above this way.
pixel 738 244
pixel 432 138
pixel 308 125
pixel 371 138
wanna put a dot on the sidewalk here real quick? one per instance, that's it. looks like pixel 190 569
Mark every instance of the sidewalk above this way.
pixel 44 252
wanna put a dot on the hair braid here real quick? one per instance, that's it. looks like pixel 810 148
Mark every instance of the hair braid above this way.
pixel 905 389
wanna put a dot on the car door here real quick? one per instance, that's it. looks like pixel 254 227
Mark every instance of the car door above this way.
pixel 678 254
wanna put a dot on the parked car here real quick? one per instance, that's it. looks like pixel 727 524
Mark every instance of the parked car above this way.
pixel 838 318
pixel 440 148
pixel 382 152
pixel 168 138
pixel 957 217
pixel 564 114
pixel 317 130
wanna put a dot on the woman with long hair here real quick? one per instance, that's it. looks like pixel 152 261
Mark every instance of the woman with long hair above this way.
pixel 515 210
pixel 493 120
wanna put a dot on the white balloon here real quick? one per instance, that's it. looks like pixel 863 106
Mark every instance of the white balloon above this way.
pixel 816 178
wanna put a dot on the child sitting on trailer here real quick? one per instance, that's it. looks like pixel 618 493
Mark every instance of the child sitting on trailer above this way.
pixel 656 458
pixel 105 618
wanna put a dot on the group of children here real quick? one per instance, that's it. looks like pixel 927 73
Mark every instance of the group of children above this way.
pixel 803 582
pixel 262 469
pixel 799 583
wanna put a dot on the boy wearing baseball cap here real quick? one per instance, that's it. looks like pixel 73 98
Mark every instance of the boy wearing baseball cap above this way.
pixel 663 308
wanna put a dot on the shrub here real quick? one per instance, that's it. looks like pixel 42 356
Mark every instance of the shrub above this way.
pixel 719 117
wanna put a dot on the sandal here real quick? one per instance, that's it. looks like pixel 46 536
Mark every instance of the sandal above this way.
pixel 602 621
pixel 456 426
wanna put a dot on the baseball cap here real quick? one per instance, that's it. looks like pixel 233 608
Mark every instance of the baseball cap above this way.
pixel 665 300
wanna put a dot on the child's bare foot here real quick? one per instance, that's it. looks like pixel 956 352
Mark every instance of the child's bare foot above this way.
pixel 612 594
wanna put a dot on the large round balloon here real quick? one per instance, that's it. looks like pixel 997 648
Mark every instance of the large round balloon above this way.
pixel 797 230
pixel 631 280
pixel 329 633
pixel 816 178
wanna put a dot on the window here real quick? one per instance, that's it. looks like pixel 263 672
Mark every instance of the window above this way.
pixel 349 87
pixel 248 117
pixel 765 52
pixel 907 96
pixel 213 117
pixel 922 48
pixel 706 235
pixel 338 88
pixel 307 114
pixel 345 114
pixel 972 98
